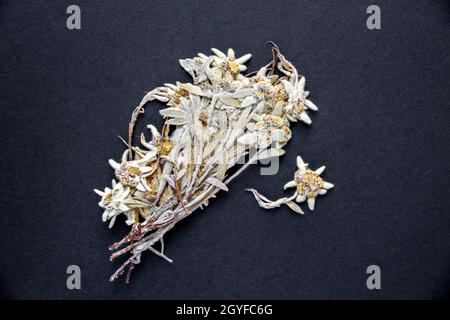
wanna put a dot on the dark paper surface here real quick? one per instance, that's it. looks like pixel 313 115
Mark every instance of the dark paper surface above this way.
pixel 382 130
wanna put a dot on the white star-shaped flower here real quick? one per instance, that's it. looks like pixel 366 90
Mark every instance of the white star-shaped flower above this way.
pixel 309 184
pixel 266 129
pixel 297 102
pixel 133 173
pixel 113 201
pixel 226 66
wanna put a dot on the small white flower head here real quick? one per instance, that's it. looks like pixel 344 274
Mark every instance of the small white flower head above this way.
pixel 297 104
pixel 265 130
pixel 133 173
pixel 308 183
pixel 262 91
pixel 175 93
pixel 227 66
pixel 113 201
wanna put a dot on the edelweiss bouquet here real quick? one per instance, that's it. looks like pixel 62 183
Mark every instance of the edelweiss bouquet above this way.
pixel 214 128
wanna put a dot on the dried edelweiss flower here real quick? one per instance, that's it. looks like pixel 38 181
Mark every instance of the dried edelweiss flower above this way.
pixel 209 125
pixel 267 129
pixel 297 102
pixel 308 185
pixel 133 173
pixel 113 201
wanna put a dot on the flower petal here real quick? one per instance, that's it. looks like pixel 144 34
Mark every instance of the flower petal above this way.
pixel 105 215
pixel 100 193
pixel 288 87
pixel 328 185
pixel 300 164
pixel 244 58
pixel 311 105
pixel 300 198
pixel 113 164
pixel 305 118
pixel 320 170
pixel 311 203
pixel 231 54
pixel 111 223
pixel 301 85
pixel 290 184
pixel 219 53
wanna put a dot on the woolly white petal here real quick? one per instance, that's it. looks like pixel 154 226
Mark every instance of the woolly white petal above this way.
pixel 320 170
pixel 311 203
pixel 105 215
pixel 288 87
pixel 290 184
pixel 300 198
pixel 311 105
pixel 328 185
pixel 322 191
pixel 111 223
pixel 244 58
pixel 219 53
pixel 231 54
pixel 300 164
pixel 154 131
pixel 305 118
pixel 125 155
pixel 100 193
pixel 301 85
pixel 262 71
pixel 113 164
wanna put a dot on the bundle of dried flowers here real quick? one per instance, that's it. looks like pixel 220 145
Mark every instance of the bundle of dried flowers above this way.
pixel 214 128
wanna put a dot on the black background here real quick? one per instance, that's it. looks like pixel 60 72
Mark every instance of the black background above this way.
pixel 382 130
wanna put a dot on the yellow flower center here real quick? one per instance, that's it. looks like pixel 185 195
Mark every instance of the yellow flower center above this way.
pixel 308 184
pixel 269 121
pixel 233 67
pixel 133 170
pixel 276 94
pixel 165 147
pixel 179 94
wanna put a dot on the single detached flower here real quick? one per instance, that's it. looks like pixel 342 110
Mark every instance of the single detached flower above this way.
pixel 308 183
